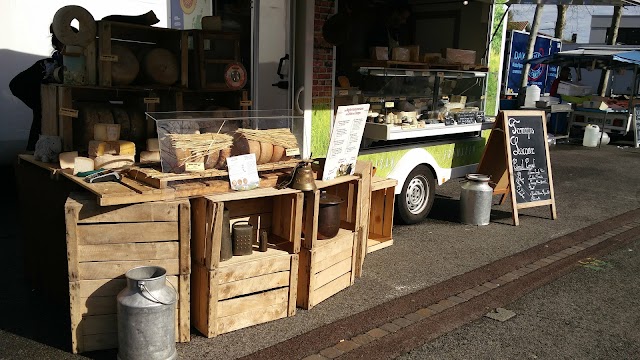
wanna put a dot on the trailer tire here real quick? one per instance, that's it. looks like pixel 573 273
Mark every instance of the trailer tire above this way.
pixel 416 198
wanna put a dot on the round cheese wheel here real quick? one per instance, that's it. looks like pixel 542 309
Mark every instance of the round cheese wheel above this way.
pixel 61 25
pixel 222 159
pixel 278 153
pixel 243 146
pixel 126 69
pixel 212 160
pixel 121 117
pixel 266 152
pixel 161 66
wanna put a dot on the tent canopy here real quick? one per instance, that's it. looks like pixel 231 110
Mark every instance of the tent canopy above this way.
pixel 594 58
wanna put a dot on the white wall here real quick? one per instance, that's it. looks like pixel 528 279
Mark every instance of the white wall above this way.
pixel 600 24
pixel 25 38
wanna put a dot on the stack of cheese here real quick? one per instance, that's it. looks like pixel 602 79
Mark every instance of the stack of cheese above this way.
pixel 106 151
pixel 152 155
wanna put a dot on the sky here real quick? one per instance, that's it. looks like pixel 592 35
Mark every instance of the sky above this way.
pixel 578 18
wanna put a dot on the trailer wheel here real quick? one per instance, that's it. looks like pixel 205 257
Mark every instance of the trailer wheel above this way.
pixel 416 198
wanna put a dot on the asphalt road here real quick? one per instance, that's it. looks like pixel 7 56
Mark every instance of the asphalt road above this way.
pixel 591 185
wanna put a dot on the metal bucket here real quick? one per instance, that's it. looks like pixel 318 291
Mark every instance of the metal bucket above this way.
pixel 146 316
pixel 475 200
pixel 242 238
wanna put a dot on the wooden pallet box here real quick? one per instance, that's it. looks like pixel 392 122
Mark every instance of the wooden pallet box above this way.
pixel 245 290
pixel 140 39
pixel 103 243
pixel 381 213
pixel 327 269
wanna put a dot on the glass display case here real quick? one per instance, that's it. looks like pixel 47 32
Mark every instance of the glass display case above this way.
pixel 201 141
pixel 420 103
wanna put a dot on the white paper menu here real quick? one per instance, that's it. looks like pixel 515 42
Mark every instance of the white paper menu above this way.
pixel 243 172
pixel 346 136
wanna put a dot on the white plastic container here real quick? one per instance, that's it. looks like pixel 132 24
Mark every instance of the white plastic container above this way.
pixel 532 95
pixel 591 136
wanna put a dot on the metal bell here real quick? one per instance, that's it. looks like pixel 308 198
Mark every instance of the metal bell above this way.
pixel 304 179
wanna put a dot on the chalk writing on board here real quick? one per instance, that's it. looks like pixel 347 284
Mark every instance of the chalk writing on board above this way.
pixel 528 154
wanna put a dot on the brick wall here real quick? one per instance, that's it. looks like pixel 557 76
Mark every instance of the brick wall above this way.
pixel 322 55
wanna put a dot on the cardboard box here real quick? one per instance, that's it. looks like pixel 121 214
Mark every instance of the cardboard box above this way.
pixel 379 53
pixel 459 56
pixel 400 54
pixel 567 88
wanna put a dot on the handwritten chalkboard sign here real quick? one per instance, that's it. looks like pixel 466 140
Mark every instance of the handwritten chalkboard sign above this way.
pixel 528 158
pixel 517 159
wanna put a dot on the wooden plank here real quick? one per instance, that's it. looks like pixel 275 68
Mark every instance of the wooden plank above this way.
pixel 250 318
pixel 184 311
pixel 387 218
pixel 293 285
pixel 334 259
pixel 90 213
pixel 343 241
pixel 200 298
pixel 304 276
pixel 534 204
pixel 184 231
pixel 376 219
pixel 198 231
pixel 332 288
pixel 128 233
pixel 104 35
pixel 326 276
pixel 184 61
pixel 75 308
pixel 110 287
pixel 90 63
pixel 65 123
pixel 215 212
pixel 252 285
pixel 133 251
pixel 100 324
pixel 254 268
pixel 249 207
pixel 311 207
pixel 339 180
pixel 71 218
pixel 114 269
pixel 247 303
pixel 212 309
pixel 378 183
pixel 260 193
pixel 296 230
pixel 364 168
pixel 49 103
pixel 375 245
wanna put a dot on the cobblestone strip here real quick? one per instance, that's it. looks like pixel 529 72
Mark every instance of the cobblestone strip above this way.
pixel 347 345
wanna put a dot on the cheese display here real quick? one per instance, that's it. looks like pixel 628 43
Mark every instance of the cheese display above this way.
pixel 153 145
pixel 106 132
pixel 82 164
pixel 121 147
pixel 149 157
pixel 67 159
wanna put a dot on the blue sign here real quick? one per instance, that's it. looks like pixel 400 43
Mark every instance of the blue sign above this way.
pixel 540 74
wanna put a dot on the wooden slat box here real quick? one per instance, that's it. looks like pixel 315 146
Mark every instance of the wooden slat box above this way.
pixel 105 242
pixel 245 290
pixel 381 214
pixel 327 268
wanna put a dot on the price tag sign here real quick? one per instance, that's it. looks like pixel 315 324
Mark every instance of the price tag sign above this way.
pixel 389 104
pixel 194 166
pixel 243 172
pixel 109 58
pixel 343 92
pixel 292 152
pixel 68 112
pixel 246 103
pixel 152 100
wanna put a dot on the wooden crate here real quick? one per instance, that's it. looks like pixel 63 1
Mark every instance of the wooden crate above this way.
pixel 103 243
pixel 245 290
pixel 139 39
pixel 381 214
pixel 327 268
pixel 214 50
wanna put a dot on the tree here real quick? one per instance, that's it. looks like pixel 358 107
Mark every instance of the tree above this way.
pixel 612 37
pixel 561 20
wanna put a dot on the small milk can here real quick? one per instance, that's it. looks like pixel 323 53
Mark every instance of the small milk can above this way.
pixel 242 238
pixel 475 200
pixel 146 316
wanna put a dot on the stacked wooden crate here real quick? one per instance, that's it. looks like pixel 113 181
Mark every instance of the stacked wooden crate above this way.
pixel 252 289
pixel 103 243
pixel 381 213
pixel 331 265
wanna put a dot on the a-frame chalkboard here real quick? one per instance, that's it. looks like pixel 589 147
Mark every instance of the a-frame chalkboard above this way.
pixel 517 159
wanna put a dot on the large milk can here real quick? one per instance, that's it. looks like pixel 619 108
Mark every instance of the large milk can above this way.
pixel 146 316
pixel 475 200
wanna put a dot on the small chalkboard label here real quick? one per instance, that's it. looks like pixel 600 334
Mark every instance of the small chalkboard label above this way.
pixel 528 158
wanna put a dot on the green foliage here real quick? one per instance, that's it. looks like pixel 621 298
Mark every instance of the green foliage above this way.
pixel 493 88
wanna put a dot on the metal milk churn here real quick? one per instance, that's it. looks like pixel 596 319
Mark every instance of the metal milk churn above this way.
pixel 146 316
pixel 475 200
